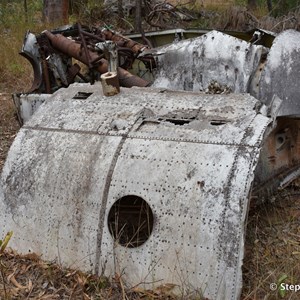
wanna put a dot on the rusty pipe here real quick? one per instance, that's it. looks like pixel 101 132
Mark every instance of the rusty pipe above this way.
pixel 69 47
pixel 123 41
pixel 46 76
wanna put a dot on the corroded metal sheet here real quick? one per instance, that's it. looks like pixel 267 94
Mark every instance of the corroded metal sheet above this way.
pixel 190 156
pixel 279 161
pixel 282 72
pixel 27 104
pixel 214 57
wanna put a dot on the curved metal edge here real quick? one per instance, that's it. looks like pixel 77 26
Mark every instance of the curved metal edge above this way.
pixel 31 52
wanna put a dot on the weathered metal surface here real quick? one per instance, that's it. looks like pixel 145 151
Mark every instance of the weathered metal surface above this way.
pixel 190 156
pixel 109 49
pixel 74 50
pixel 124 41
pixel 282 72
pixel 153 182
pixel 51 54
pixel 162 37
pixel 279 160
pixel 31 52
pixel 194 64
pixel 27 104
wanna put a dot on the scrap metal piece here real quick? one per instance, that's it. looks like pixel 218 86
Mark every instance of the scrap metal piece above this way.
pixel 110 51
pixel 279 159
pixel 288 179
pixel 282 72
pixel 73 49
pixel 262 37
pixel 27 105
pixel 123 41
pixel 214 57
pixel 80 165
pixel 110 83
pixel 128 183
pixel 30 51
pixel 58 68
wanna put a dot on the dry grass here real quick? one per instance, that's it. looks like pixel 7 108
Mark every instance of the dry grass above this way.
pixel 15 71
pixel 29 277
pixel 8 125
pixel 273 247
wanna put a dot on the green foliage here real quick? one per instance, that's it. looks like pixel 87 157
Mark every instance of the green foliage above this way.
pixel 16 68
pixel 12 12
pixel 201 23
pixel 3 243
pixel 87 10
pixel 282 279
pixel 96 284
pixel 279 7
pixel 282 7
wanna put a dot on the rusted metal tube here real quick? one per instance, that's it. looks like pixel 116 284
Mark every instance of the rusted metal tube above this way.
pixel 46 76
pixel 84 46
pixel 123 41
pixel 69 47
pixel 126 79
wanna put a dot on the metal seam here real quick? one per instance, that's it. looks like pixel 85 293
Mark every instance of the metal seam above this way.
pixel 226 197
pixel 104 204
pixel 138 136
pixel 105 198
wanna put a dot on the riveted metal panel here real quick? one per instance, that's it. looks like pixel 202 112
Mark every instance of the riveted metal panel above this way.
pixel 191 156
pixel 52 184
pixel 198 212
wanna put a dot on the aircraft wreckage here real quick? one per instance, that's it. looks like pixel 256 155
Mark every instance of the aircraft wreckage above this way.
pixel 156 180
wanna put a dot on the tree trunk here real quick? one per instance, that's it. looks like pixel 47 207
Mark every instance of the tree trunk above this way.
pixel 120 9
pixel 56 11
pixel 77 7
pixel 26 11
pixel 252 4
pixel 269 4
pixel 138 16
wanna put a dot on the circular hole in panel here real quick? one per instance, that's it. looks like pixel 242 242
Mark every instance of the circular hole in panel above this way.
pixel 130 221
pixel 280 139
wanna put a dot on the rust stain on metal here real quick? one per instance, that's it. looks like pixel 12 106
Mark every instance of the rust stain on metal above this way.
pixel 73 49
pixel 280 156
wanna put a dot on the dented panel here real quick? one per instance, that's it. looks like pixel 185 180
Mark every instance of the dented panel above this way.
pixel 214 57
pixel 190 156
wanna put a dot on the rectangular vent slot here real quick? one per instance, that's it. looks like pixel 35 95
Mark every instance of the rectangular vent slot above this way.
pixel 218 122
pixel 179 122
pixel 82 95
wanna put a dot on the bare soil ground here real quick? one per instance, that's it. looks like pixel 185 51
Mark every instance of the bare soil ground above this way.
pixel 272 252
